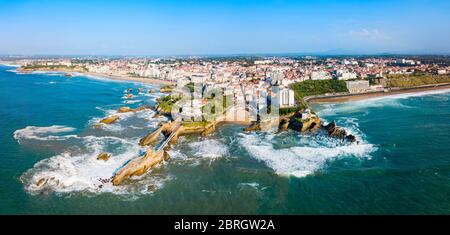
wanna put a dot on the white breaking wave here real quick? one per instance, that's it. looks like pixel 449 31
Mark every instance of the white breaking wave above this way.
pixel 82 172
pixel 68 172
pixel 199 151
pixel 48 73
pixel 298 161
pixel 42 133
pixel 209 149
pixel 132 101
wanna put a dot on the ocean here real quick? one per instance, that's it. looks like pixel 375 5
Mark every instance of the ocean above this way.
pixel 400 166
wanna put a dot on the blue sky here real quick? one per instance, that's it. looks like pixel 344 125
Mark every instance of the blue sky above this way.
pixel 168 27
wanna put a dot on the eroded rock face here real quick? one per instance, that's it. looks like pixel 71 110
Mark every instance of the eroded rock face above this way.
pixel 254 127
pixel 150 138
pixel 166 129
pixel 209 129
pixel 103 157
pixel 110 120
pixel 351 138
pixel 310 124
pixel 41 182
pixel 284 124
pixel 124 110
pixel 337 132
pixel 129 110
pixel 139 166
pixel 141 108
pixel 307 125
pixel 166 89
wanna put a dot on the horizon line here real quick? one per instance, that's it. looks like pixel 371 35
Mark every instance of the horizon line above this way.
pixel 259 54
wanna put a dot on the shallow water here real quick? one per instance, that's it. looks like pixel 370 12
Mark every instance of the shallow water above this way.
pixel 401 165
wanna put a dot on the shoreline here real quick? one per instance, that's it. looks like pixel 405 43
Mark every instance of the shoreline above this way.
pixel 9 64
pixel 107 76
pixel 130 79
pixel 372 95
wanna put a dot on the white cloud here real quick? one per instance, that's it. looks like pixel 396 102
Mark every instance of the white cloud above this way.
pixel 369 34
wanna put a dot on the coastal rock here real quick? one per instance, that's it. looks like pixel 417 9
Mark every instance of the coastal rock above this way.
pixel 41 182
pixel 305 125
pixel 124 110
pixel 336 132
pixel 152 91
pixel 110 120
pixel 103 157
pixel 351 138
pixel 98 125
pixel 330 127
pixel 151 188
pixel 129 110
pixel 166 129
pixel 166 89
pixel 284 124
pixel 139 166
pixel 141 108
pixel 166 156
pixel 209 129
pixel 129 96
pixel 256 126
pixel 150 138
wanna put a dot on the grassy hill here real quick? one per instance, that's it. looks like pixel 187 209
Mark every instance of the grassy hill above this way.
pixel 316 87
pixel 412 80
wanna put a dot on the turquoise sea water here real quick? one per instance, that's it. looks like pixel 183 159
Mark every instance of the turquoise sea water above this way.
pixel 401 166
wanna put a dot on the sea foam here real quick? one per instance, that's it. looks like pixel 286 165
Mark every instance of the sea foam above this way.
pixel 69 172
pixel 202 150
pixel 42 133
pixel 298 161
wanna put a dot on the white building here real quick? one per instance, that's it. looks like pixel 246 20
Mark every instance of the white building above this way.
pixel 345 75
pixel 192 109
pixel 200 78
pixel 307 114
pixel 261 62
pixel 287 98
pixel 358 86
pixel 320 75
pixel 442 71
pixel 182 82
pixel 406 62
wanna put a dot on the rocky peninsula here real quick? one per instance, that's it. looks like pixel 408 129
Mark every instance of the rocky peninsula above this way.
pixel 159 141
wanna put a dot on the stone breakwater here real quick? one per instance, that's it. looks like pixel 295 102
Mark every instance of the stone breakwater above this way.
pixel 171 131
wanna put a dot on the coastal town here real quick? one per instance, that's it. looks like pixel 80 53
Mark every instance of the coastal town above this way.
pixel 247 78
pixel 362 74
pixel 202 93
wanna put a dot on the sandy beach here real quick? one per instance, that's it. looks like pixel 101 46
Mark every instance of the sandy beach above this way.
pixel 134 79
pixel 371 95
pixel 108 76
